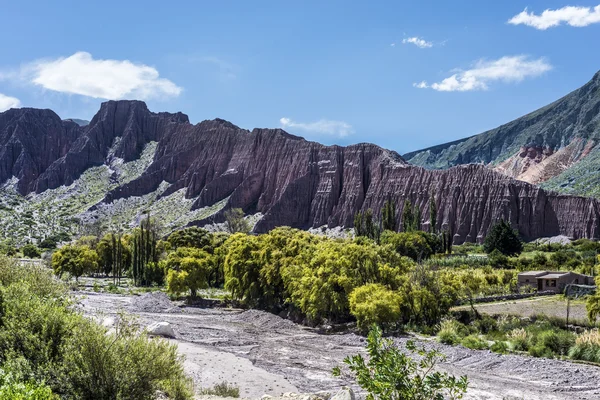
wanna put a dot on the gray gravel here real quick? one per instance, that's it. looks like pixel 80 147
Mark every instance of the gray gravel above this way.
pixel 305 358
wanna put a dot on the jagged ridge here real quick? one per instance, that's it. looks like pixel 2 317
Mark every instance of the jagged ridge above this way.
pixel 291 181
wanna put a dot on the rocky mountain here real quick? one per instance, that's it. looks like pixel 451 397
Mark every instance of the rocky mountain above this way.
pixel 129 160
pixel 556 146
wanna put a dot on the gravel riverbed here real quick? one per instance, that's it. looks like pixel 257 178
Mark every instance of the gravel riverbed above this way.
pixel 265 354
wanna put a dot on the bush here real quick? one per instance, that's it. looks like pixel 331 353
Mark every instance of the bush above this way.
pixel 557 341
pixel 416 245
pixel 48 244
pixel 518 339
pixel 500 347
pixel 51 345
pixel 132 366
pixel 474 342
pixel 452 332
pixel 391 374
pixel 222 389
pixel 31 251
pixel 375 304
pixel 587 347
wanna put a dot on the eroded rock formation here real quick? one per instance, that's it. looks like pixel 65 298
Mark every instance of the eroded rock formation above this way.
pixel 289 180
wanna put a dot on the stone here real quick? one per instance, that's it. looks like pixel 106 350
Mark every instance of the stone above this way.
pixel 163 329
pixel 345 393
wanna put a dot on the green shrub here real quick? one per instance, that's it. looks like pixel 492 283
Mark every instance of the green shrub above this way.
pixel 500 347
pixel 452 332
pixel 448 337
pixel 31 251
pixel 50 344
pixel 557 341
pixel 586 347
pixel 375 304
pixel 474 342
pixel 391 374
pixel 485 324
pixel 132 366
pixel 222 389
pixel 518 339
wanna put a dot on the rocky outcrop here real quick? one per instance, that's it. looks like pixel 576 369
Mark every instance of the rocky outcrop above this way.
pixel 30 141
pixel 304 184
pixel 571 125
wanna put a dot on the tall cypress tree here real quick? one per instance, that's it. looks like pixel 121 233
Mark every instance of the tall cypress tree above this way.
pixel 359 224
pixel 416 225
pixel 388 216
pixel 432 214
pixel 407 216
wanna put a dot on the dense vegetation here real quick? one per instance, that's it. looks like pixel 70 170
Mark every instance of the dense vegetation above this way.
pixel 49 350
pixel 395 280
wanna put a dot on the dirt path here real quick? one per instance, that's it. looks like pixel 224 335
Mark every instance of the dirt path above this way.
pixel 262 353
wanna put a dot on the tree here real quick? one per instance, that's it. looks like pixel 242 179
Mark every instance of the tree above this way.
pixel 144 250
pixel 417 245
pixel 504 238
pixel 371 228
pixel 417 218
pixel 365 225
pixel 407 216
pixel 391 374
pixel 31 251
pixel 432 214
pixel 375 304
pixel 235 222
pixel 191 237
pixel 593 304
pixel 359 229
pixel 388 216
pixel 74 260
pixel 188 269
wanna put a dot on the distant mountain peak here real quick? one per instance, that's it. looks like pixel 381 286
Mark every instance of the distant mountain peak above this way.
pixel 537 147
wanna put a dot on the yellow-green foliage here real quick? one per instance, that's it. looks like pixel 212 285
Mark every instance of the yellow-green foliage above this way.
pixel 75 260
pixel 593 304
pixel 375 304
pixel 48 348
pixel 316 276
pixel 188 270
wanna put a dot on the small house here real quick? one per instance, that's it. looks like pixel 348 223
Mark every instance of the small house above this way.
pixel 556 282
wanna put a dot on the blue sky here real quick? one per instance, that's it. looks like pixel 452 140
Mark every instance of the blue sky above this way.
pixel 332 71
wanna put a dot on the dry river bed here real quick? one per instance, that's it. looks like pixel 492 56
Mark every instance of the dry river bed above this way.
pixel 264 354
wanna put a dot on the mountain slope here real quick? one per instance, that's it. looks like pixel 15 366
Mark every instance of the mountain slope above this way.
pixel 534 148
pixel 129 160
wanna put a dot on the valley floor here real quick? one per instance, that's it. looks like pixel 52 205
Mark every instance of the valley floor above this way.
pixel 264 354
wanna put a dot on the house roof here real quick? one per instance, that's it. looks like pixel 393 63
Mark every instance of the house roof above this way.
pixel 533 273
pixel 553 276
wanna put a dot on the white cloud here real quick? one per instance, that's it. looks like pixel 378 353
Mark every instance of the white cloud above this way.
pixel 106 79
pixel 574 16
pixel 322 126
pixel 419 42
pixel 505 69
pixel 7 102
